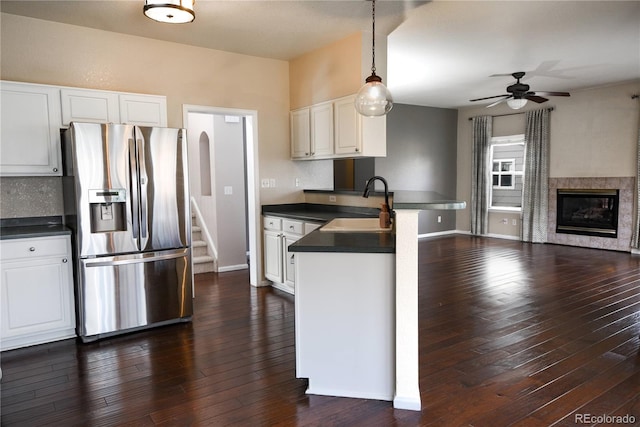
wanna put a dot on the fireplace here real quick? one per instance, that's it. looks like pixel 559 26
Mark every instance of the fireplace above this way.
pixel 591 212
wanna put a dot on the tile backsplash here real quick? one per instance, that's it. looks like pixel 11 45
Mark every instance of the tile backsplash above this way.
pixel 22 197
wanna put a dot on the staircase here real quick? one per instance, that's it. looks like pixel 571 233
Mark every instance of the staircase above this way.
pixel 203 262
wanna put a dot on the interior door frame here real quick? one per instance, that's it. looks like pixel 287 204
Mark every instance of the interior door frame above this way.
pixel 253 184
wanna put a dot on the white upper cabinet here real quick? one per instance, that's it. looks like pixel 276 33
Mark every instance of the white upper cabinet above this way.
pixel 30 131
pixel 300 133
pixel 99 106
pixel 143 110
pixel 357 135
pixel 33 114
pixel 334 129
pixel 321 116
pixel 84 105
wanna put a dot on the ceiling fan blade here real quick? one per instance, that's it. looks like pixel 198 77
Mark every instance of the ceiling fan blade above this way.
pixel 488 97
pixel 535 98
pixel 500 101
pixel 552 93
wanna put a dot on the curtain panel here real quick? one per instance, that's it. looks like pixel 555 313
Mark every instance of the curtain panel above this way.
pixel 480 178
pixel 535 193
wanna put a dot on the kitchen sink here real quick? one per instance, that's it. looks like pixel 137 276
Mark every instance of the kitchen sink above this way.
pixel 355 225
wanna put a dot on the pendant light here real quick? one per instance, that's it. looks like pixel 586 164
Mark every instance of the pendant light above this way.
pixel 373 99
pixel 170 11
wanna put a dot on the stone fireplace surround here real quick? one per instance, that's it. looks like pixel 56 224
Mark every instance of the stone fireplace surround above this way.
pixel 626 185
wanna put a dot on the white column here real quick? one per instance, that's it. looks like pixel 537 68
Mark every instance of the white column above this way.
pixel 407 394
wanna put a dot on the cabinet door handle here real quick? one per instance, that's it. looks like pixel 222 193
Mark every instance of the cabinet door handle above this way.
pixel 55 169
pixel 292 261
pixel 291 227
pixel 32 249
pixel 64 260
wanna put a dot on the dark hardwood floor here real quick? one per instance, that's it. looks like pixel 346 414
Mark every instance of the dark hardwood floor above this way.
pixel 510 334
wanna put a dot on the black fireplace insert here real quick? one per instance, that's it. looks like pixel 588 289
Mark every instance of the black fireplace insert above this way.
pixel 592 212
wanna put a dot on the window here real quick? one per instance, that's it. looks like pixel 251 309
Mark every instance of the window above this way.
pixel 507 172
pixel 502 173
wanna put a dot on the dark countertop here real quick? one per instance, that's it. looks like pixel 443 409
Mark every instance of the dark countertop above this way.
pixel 425 200
pixel 318 212
pixel 23 228
pixel 340 241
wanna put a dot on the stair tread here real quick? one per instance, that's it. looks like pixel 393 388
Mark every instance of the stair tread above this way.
pixel 198 243
pixel 203 258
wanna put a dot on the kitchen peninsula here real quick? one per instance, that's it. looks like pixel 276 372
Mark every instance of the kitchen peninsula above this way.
pixel 356 306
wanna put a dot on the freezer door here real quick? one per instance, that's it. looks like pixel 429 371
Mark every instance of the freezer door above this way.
pixel 165 220
pixel 124 292
pixel 98 191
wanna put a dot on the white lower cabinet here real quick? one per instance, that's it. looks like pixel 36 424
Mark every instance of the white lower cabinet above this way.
pixel 36 291
pixel 279 263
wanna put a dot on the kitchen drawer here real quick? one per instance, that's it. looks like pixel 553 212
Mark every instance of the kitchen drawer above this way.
pixel 271 223
pixel 34 248
pixel 296 227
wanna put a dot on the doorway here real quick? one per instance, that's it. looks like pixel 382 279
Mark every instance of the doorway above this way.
pixel 202 139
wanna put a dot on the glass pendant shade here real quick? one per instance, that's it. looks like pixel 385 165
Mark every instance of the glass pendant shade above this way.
pixel 373 99
pixel 170 11
pixel 516 103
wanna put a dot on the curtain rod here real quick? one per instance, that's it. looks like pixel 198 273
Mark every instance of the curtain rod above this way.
pixel 513 114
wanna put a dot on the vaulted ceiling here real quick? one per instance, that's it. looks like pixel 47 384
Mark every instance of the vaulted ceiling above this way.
pixel 440 53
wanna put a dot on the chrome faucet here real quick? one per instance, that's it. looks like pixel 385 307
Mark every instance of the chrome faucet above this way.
pixel 367 190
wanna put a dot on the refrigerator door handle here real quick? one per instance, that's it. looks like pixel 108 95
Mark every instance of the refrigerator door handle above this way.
pixel 144 208
pixel 134 259
pixel 135 191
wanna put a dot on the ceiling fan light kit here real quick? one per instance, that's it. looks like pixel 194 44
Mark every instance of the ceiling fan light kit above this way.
pixel 516 103
pixel 519 93
pixel 373 99
pixel 170 11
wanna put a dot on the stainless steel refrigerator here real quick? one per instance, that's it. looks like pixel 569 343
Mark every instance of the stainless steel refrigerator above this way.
pixel 126 198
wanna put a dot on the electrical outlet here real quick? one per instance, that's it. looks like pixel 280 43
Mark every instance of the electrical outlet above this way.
pixel 264 183
pixel 228 190
pixel 332 198
pixel 439 219
pixel 505 221
pixel 297 182
pixel 272 183
pixel 514 222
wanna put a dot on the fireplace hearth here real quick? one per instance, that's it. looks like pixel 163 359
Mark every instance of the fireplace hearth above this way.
pixel 591 212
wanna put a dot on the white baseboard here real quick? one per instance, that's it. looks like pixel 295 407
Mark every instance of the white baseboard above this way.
pixel 233 268
pixel 437 233
pixel 409 403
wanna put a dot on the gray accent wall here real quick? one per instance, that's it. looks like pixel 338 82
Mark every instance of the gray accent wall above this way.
pixel 421 156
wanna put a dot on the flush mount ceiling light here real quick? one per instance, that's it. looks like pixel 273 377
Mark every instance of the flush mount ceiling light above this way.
pixel 516 103
pixel 373 99
pixel 171 11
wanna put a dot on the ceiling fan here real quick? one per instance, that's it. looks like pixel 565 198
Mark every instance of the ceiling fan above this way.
pixel 518 93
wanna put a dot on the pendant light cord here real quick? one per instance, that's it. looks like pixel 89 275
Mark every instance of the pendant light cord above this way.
pixel 373 36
